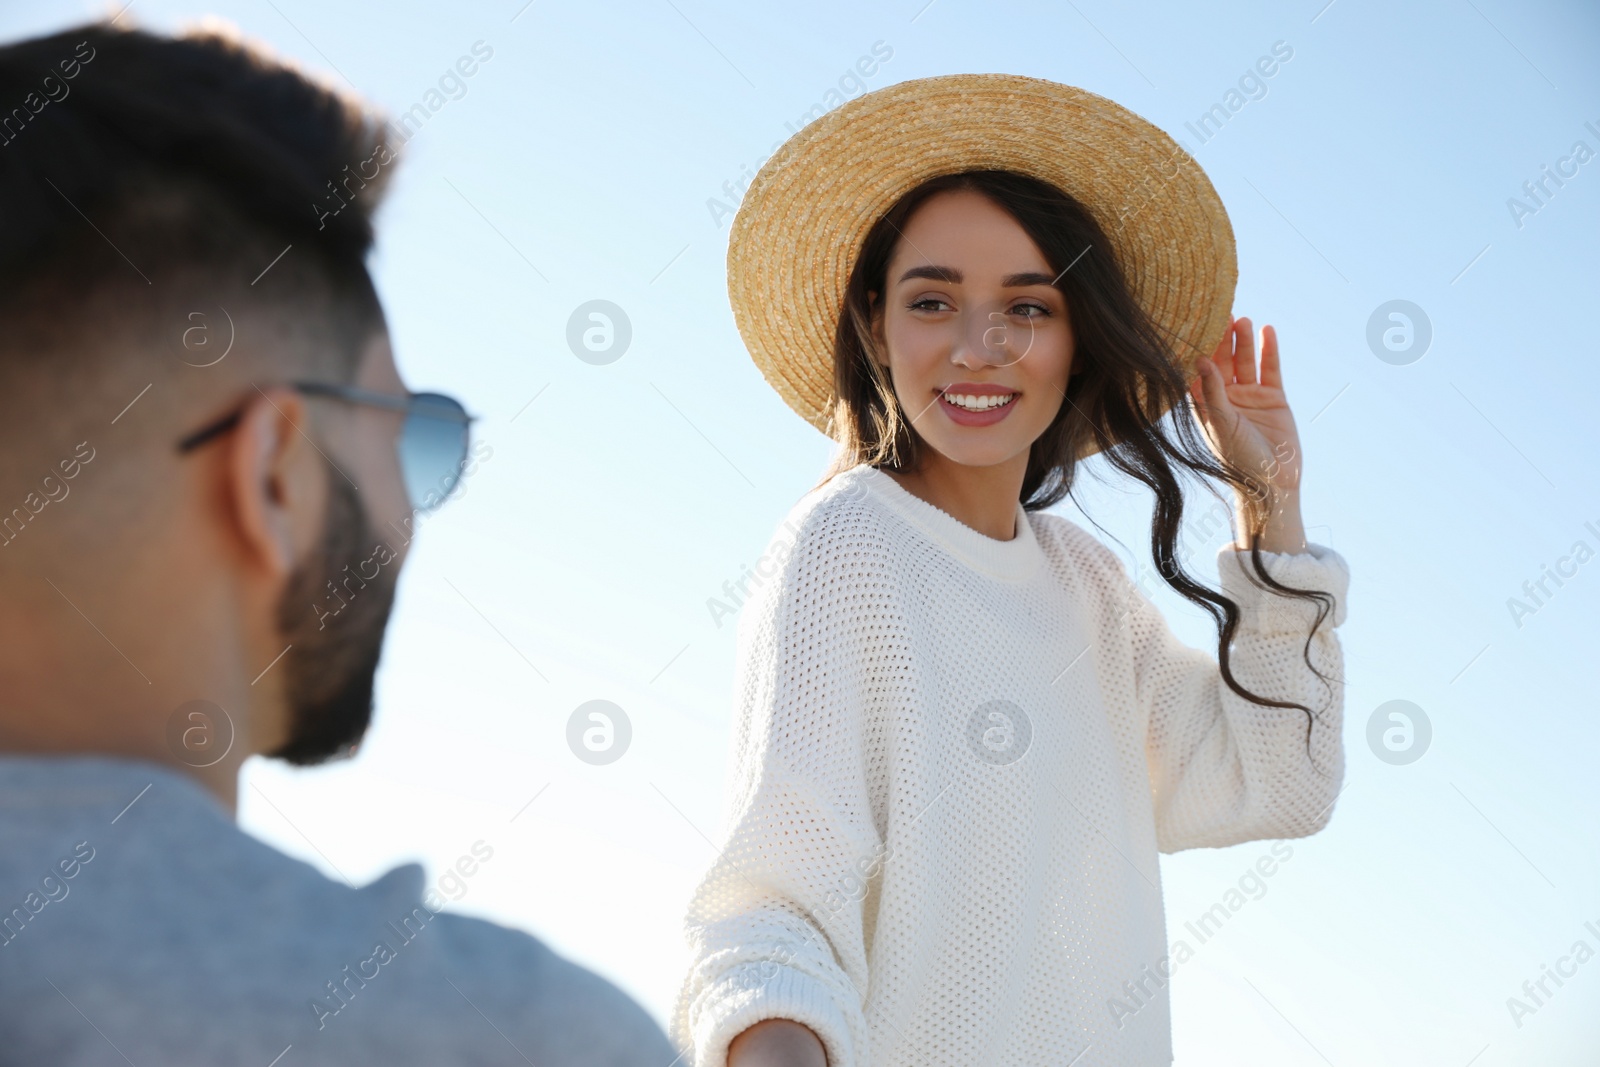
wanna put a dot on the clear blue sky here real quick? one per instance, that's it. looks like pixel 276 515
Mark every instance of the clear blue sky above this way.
pixel 578 163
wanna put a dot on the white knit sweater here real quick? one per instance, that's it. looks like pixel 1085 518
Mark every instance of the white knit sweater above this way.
pixel 954 762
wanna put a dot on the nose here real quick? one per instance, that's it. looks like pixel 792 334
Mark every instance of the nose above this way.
pixel 986 337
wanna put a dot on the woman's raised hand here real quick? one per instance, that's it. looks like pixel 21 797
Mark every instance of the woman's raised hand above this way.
pixel 1247 421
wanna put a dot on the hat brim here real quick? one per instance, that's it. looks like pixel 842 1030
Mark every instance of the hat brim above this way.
pixel 805 216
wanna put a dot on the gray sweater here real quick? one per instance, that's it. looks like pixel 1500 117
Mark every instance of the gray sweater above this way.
pixel 160 933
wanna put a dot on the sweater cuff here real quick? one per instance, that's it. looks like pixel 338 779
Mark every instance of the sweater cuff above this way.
pixel 748 995
pixel 1318 568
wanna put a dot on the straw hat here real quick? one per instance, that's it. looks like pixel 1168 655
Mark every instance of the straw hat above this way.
pixel 806 214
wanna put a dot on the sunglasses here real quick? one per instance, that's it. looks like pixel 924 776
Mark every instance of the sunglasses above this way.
pixel 432 446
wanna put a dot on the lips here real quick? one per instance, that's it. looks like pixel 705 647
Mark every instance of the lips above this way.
pixel 975 404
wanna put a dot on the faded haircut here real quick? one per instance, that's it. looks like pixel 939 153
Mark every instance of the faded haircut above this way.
pixel 147 179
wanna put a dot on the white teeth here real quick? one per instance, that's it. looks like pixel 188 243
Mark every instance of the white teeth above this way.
pixel 979 403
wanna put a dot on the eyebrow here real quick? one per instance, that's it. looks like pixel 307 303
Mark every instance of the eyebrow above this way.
pixel 954 277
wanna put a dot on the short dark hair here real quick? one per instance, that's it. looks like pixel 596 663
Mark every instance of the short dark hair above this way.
pixel 135 166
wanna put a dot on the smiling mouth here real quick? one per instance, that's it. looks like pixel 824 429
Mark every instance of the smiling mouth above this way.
pixel 977 402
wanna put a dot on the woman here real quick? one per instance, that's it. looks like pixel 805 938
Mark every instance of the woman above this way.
pixel 963 734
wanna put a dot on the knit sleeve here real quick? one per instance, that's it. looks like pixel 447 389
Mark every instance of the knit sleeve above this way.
pixel 1224 769
pixel 775 927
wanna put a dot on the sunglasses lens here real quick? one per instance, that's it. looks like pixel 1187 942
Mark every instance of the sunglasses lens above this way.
pixel 433 449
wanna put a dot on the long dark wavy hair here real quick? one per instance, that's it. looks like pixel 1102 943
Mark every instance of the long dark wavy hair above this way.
pixel 1123 379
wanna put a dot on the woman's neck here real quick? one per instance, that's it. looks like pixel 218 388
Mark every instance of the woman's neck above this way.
pixel 984 498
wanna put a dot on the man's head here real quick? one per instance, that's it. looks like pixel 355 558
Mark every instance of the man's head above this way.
pixel 185 226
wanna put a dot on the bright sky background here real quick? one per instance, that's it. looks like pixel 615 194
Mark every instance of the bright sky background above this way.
pixel 619 498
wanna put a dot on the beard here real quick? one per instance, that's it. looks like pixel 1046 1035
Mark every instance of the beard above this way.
pixel 335 638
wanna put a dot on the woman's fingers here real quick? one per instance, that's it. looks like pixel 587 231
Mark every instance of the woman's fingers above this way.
pixel 1271 370
pixel 1244 346
pixel 1223 356
pixel 1212 394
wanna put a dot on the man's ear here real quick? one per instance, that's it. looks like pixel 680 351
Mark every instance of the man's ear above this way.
pixel 276 481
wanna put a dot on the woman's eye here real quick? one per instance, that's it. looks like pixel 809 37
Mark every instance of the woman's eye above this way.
pixel 928 303
pixel 1030 311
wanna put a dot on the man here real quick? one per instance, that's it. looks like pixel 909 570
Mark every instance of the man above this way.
pixel 208 468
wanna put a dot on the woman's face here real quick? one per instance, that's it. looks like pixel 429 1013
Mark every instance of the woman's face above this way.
pixel 978 340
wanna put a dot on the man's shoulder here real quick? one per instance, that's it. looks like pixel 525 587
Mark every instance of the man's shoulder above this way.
pixel 158 898
pixel 144 833
pixel 576 1014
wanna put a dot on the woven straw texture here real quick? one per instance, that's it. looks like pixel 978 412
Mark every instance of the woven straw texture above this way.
pixel 803 220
